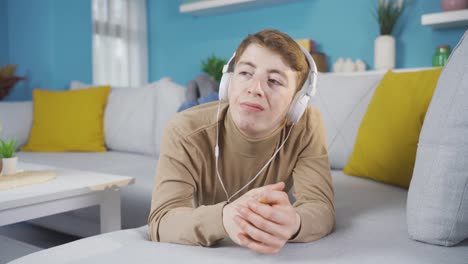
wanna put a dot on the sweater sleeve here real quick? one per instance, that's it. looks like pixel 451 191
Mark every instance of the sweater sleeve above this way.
pixel 173 217
pixel 313 187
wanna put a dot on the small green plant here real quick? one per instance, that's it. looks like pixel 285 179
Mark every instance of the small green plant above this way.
pixel 213 66
pixel 7 148
pixel 388 12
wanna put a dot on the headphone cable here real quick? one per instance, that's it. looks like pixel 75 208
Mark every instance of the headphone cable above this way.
pixel 258 173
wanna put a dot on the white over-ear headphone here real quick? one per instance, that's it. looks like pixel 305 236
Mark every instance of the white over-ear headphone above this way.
pixel 299 102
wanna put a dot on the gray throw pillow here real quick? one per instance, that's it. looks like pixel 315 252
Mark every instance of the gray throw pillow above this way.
pixel 437 206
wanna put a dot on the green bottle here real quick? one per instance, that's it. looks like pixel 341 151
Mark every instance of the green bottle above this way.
pixel 441 56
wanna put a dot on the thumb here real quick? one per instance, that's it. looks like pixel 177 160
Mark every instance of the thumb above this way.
pixel 279 186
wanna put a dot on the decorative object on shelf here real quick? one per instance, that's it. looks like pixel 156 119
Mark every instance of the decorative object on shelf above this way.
pixel 8 80
pixel 308 44
pixel 320 60
pixel 449 5
pixel 384 46
pixel 319 57
pixel 384 52
pixel 360 65
pixel 213 66
pixel 347 65
pixel 338 65
pixel 441 56
pixel 7 153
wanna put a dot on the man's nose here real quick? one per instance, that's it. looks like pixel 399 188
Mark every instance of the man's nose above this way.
pixel 256 87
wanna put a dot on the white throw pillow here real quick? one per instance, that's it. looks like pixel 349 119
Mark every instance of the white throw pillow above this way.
pixel 343 101
pixel 128 120
pixel 76 85
pixel 169 96
pixel 16 120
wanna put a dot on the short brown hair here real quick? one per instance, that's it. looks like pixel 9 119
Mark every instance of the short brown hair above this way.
pixel 281 44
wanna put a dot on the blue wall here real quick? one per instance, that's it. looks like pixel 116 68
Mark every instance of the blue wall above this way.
pixel 179 42
pixel 3 33
pixel 51 42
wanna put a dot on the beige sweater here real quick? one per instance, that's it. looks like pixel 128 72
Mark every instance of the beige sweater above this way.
pixel 188 199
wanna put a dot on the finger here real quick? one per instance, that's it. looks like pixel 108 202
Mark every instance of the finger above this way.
pixel 263 224
pixel 275 187
pixel 251 244
pixel 279 186
pixel 268 212
pixel 274 197
pixel 257 234
pixel 256 193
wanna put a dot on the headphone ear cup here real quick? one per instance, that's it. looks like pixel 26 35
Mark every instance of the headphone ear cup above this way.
pixel 298 107
pixel 223 86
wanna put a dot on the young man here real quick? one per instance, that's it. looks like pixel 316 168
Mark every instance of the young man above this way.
pixel 224 169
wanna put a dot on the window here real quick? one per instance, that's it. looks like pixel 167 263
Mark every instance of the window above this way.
pixel 120 48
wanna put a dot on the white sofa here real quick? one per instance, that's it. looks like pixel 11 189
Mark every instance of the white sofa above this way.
pixel 370 216
pixel 133 122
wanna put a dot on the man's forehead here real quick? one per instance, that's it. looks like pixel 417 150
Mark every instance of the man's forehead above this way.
pixel 285 70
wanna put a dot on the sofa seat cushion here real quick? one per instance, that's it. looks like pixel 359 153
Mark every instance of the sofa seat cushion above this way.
pixel 136 198
pixel 371 228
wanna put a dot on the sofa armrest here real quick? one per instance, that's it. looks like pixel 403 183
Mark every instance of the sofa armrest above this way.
pixel 16 120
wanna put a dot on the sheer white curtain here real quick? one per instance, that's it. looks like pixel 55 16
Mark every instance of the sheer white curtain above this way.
pixel 120 49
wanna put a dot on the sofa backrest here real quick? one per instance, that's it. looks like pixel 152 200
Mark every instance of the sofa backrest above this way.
pixel 134 118
pixel 342 98
pixel 169 97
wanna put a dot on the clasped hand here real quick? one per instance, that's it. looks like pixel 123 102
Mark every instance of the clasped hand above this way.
pixel 262 219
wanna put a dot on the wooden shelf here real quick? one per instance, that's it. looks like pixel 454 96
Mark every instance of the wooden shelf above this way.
pixel 211 7
pixel 449 19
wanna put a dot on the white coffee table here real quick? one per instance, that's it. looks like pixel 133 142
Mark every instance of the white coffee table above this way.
pixel 70 190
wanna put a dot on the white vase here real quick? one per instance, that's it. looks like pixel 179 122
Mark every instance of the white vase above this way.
pixel 384 52
pixel 9 166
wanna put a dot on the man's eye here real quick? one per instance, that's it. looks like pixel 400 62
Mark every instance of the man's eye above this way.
pixel 274 82
pixel 244 73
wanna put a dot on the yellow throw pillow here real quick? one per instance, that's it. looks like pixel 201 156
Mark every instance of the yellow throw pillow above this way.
pixel 68 120
pixel 385 147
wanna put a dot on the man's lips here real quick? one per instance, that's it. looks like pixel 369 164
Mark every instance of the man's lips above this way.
pixel 252 107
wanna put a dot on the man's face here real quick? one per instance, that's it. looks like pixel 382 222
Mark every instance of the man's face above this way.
pixel 261 89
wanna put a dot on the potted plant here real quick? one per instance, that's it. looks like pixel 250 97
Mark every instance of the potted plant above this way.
pixel 8 160
pixel 8 80
pixel 7 153
pixel 388 12
pixel 213 66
